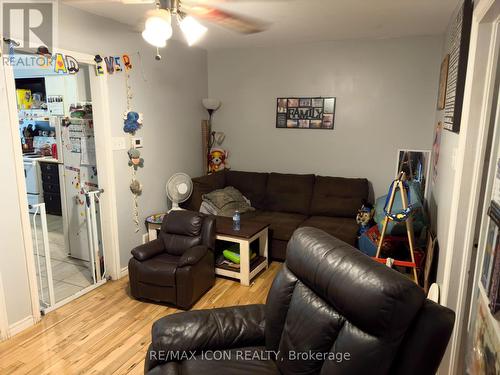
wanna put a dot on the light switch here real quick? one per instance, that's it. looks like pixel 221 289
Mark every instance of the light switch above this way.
pixel 118 143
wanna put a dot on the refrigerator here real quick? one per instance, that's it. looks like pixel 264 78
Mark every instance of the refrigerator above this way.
pixel 79 171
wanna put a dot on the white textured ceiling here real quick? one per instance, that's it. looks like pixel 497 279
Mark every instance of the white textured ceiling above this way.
pixel 297 21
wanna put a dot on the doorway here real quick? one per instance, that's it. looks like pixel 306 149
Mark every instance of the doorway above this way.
pixel 57 140
pixel 61 142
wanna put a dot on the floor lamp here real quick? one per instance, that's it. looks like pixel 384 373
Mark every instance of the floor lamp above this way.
pixel 211 105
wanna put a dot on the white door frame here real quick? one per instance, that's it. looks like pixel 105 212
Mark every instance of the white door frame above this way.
pixel 468 177
pixel 12 118
pixel 104 157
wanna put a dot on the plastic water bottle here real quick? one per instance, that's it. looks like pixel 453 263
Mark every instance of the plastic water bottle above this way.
pixel 236 220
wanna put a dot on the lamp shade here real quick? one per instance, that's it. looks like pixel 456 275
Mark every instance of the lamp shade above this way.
pixel 158 28
pixel 153 38
pixel 211 104
pixel 193 30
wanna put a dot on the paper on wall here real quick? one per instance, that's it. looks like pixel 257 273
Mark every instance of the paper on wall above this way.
pixel 88 151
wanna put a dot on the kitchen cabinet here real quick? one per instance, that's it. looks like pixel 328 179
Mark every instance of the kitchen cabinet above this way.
pixel 51 188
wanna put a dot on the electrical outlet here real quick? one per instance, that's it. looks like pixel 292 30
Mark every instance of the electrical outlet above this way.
pixel 145 238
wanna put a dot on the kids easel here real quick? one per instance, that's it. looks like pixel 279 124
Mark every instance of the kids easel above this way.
pixel 403 216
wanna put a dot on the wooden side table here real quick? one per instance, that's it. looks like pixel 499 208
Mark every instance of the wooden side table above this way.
pixel 249 232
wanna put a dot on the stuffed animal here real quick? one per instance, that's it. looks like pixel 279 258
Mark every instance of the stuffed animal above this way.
pixel 132 122
pixel 135 159
pixel 217 160
pixel 136 187
pixel 365 218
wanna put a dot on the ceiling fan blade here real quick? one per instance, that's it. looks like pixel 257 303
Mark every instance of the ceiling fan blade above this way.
pixel 241 24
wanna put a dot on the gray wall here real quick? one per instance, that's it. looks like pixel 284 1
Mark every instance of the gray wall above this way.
pixel 168 93
pixel 441 191
pixel 386 97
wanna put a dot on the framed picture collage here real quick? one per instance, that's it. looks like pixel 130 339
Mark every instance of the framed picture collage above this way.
pixel 305 113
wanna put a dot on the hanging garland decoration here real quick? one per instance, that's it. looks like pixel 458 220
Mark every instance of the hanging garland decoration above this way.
pixel 132 121
pixel 131 124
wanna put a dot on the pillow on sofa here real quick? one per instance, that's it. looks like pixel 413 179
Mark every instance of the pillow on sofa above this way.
pixel 289 192
pixel 223 202
pixel 337 196
pixel 203 185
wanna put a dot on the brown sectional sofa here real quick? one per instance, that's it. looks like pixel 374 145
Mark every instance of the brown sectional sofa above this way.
pixel 290 201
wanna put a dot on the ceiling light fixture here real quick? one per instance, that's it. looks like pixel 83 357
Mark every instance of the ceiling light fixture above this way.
pixel 193 30
pixel 158 28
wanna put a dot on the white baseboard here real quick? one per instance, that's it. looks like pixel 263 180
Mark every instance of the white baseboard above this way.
pixel 4 324
pixel 21 325
pixel 124 272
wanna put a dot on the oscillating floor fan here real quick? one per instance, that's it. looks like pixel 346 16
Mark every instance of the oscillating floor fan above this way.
pixel 179 188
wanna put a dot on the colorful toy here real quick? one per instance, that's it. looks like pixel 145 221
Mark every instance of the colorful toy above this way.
pixel 234 256
pixel 402 215
pixel 24 99
pixel 132 122
pixel 217 160
pixel 405 216
pixel 364 218
pixel 135 158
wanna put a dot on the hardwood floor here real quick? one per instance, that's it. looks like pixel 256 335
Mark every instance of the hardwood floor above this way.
pixel 108 332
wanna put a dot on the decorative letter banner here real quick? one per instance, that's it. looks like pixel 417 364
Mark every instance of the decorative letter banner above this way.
pixel 112 64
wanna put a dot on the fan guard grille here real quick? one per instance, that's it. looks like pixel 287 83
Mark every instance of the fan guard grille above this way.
pixel 179 187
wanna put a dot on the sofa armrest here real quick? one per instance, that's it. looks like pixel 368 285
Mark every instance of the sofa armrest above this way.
pixel 148 250
pixel 213 329
pixel 192 255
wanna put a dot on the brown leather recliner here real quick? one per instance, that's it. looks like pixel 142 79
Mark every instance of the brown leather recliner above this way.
pixel 178 267
pixel 330 310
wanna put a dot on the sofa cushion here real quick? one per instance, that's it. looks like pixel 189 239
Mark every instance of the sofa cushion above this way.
pixel 203 185
pixel 251 184
pixel 159 270
pixel 342 228
pixel 283 224
pixel 289 192
pixel 337 196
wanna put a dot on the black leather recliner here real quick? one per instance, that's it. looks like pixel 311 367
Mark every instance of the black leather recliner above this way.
pixel 330 310
pixel 178 267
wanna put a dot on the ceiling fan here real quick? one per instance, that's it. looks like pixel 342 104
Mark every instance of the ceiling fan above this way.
pixel 158 25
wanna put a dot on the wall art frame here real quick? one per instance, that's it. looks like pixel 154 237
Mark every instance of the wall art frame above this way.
pixel 305 113
pixel 458 49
